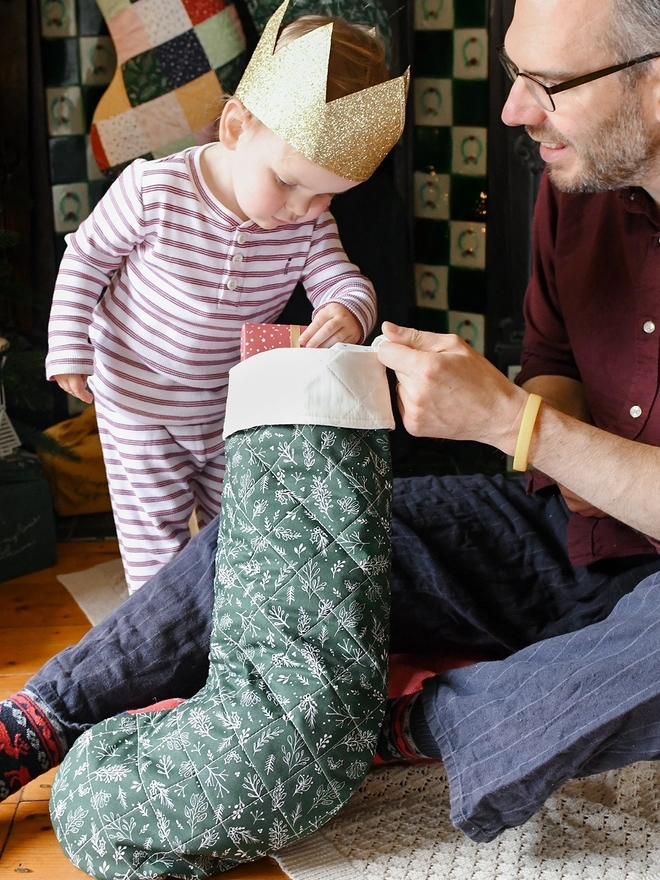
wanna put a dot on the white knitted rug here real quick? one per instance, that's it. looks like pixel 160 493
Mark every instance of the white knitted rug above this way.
pixel 396 827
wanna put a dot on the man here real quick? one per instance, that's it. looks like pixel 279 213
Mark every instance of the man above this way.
pixel 563 599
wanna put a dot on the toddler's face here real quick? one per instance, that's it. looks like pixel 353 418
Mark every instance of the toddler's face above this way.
pixel 275 185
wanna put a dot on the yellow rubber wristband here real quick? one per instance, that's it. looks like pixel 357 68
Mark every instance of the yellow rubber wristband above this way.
pixel 526 431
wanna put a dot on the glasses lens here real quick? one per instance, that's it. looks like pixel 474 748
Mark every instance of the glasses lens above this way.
pixel 539 94
pixel 507 64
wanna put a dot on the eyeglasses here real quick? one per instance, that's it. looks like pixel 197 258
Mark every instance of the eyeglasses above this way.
pixel 542 94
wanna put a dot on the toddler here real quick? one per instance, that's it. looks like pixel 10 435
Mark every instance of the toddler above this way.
pixel 155 285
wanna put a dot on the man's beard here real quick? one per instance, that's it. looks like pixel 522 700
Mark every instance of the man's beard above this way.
pixel 622 150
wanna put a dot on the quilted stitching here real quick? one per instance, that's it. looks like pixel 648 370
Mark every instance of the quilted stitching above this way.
pixel 285 729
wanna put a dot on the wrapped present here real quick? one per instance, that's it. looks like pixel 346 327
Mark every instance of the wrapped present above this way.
pixel 256 338
pixel 27 524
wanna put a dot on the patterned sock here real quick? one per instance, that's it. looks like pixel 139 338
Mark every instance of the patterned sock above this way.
pixel 406 737
pixel 29 744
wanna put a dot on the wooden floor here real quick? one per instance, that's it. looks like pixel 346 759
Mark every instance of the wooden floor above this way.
pixel 39 618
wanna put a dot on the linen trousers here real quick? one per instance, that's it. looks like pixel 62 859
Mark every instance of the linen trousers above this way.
pixel 478 566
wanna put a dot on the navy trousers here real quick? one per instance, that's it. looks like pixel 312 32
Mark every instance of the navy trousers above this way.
pixel 478 566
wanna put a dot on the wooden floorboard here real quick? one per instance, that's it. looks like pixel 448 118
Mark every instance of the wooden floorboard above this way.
pixel 38 619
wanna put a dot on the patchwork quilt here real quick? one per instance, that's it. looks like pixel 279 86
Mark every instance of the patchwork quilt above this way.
pixel 174 60
pixel 286 727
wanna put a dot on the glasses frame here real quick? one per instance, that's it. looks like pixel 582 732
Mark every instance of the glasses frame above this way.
pixel 513 72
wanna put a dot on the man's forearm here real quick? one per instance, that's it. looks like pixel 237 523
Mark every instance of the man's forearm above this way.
pixel 566 395
pixel 619 476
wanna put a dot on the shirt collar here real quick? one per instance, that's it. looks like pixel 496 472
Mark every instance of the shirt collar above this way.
pixel 637 201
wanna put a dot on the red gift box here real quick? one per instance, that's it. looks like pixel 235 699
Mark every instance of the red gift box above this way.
pixel 256 338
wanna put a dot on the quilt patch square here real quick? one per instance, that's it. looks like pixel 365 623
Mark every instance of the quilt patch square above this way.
pixel 144 78
pixel 128 34
pixel 199 99
pixel 221 37
pixel 182 59
pixel 121 137
pixel 162 122
pixel 162 19
pixel 199 10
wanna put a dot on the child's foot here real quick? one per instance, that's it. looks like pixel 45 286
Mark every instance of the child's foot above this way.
pixel 29 744
pixel 405 736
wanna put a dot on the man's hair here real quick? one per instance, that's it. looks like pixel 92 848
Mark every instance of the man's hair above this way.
pixel 634 30
pixel 357 56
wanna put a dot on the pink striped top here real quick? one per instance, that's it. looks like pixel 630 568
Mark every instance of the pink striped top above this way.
pixel 182 275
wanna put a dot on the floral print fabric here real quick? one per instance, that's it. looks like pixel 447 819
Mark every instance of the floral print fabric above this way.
pixel 286 727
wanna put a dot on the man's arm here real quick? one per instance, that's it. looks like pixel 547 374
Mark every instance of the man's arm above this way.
pixel 567 395
pixel 448 390
pixel 618 476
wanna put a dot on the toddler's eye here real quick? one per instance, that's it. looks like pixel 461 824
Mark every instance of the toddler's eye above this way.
pixel 283 183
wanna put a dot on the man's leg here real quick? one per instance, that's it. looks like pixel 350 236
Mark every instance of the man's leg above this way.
pixel 457 545
pixel 154 646
pixel 510 732
pixel 481 566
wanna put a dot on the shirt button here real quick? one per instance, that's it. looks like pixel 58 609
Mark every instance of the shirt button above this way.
pixel 237 258
pixel 649 327
pixel 635 411
pixel 241 238
pixel 232 284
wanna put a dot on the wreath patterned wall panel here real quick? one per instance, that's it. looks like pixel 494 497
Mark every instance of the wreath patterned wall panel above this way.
pixel 450 107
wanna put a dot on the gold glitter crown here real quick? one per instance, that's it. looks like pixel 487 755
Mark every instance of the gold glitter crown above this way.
pixel 286 91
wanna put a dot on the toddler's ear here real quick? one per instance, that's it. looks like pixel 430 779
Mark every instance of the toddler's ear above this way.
pixel 232 123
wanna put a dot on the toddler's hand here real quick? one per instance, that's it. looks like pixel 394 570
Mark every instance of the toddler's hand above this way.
pixel 333 323
pixel 76 385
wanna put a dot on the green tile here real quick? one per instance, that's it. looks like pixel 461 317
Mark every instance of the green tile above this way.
pixel 68 159
pixel 60 247
pixel 470 13
pixel 91 95
pixel 431 241
pixel 433 53
pixel 97 189
pixel 434 320
pixel 432 148
pixel 470 98
pixel 144 78
pixel 90 19
pixel 60 62
pixel 468 198
pixel 467 290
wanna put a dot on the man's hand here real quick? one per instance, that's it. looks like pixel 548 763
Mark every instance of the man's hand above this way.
pixel 333 323
pixel 445 389
pixel 76 385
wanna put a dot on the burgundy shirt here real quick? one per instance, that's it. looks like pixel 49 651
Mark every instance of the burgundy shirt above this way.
pixel 592 312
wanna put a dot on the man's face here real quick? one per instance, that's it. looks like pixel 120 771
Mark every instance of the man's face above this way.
pixel 602 135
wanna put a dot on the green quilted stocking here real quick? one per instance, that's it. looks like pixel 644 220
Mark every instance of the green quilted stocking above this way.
pixel 286 727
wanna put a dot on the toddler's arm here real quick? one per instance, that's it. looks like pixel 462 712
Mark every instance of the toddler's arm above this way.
pixel 94 252
pixel 332 323
pixel 330 277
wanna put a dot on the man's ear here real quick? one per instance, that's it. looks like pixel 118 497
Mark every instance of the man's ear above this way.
pixel 232 123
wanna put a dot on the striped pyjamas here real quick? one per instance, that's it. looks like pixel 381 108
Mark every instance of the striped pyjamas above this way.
pixel 149 302
pixel 157 476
